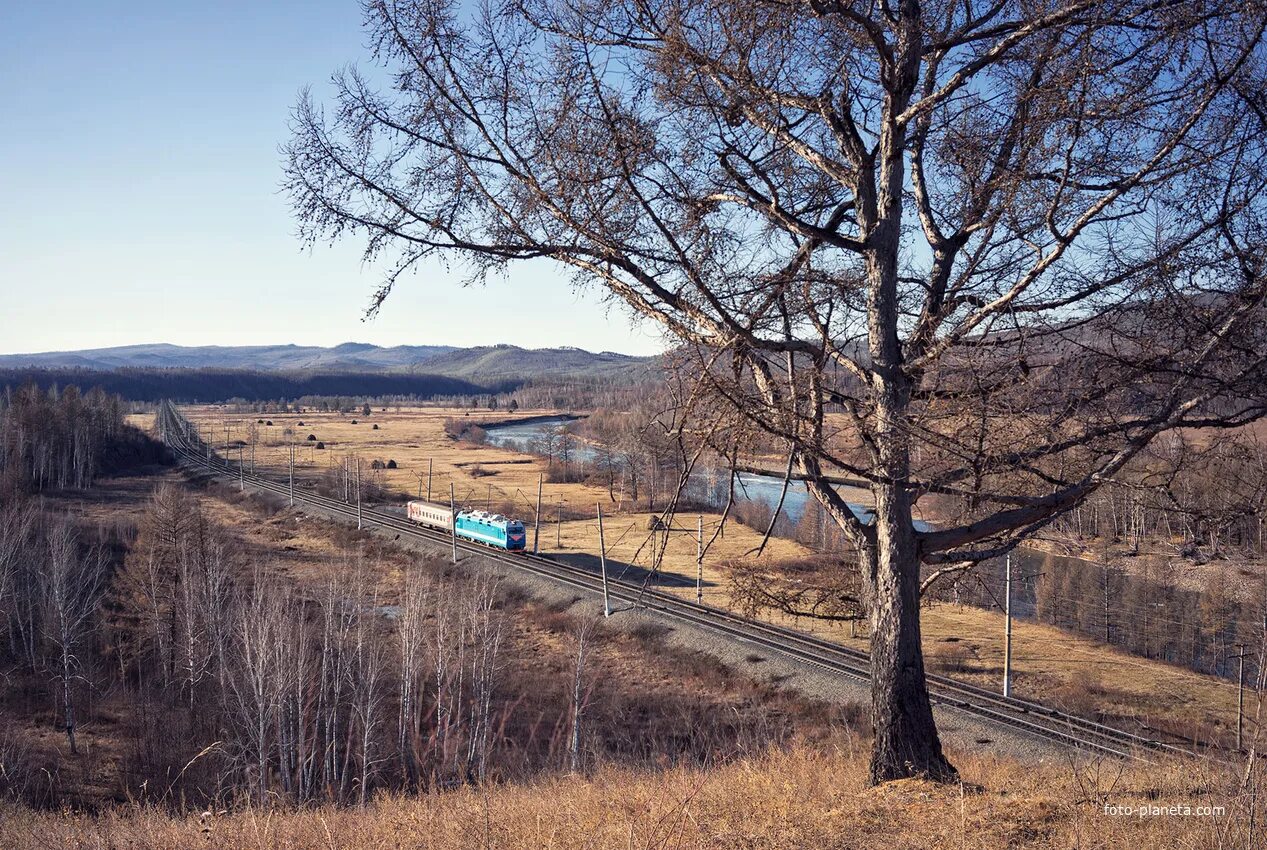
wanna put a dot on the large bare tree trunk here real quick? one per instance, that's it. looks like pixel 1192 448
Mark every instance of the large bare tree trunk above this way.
pixel 906 741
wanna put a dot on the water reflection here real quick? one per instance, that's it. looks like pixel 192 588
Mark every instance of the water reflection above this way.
pixel 1141 613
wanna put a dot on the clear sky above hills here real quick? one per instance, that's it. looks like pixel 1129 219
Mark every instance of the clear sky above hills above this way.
pixel 139 202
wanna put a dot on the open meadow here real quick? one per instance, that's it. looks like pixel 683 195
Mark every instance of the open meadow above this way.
pixel 1051 665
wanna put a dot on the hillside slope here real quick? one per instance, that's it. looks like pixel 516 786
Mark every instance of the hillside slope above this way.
pixel 802 798
pixel 268 358
pixel 482 365
pixel 510 361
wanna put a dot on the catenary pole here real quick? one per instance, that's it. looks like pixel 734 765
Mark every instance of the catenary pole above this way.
pixel 1007 629
pixel 536 521
pixel 1240 694
pixel 453 522
pixel 699 560
pixel 602 560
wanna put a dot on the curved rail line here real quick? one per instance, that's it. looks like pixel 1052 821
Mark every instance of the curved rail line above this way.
pixel 1044 722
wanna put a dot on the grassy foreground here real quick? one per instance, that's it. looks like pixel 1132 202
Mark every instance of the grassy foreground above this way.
pixel 801 798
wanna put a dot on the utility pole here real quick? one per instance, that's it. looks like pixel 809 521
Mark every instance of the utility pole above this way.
pixel 488 505
pixel 536 519
pixel 241 472
pixel 453 521
pixel 292 473
pixel 358 492
pixel 1007 633
pixel 1240 694
pixel 430 462
pixel 558 526
pixel 346 497
pixel 699 561
pixel 602 560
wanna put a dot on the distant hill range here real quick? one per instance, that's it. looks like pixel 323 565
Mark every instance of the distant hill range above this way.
pixel 497 362
pixel 214 373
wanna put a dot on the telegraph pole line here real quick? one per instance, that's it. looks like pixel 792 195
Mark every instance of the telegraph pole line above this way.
pixel 241 472
pixel 358 492
pixel 602 560
pixel 1007 632
pixel 292 473
pixel 536 520
pixel 430 462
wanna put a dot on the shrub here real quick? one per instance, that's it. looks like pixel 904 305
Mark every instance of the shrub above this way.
pixel 312 438
pixel 391 464
pixel 354 422
pixel 375 426
pixel 320 445
pixel 377 464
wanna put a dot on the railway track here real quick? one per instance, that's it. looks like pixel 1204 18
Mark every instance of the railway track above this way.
pixel 1017 715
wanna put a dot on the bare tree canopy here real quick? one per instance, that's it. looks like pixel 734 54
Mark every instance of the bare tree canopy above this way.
pixel 990 250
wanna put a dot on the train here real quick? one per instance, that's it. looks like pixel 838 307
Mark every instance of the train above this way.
pixel 477 526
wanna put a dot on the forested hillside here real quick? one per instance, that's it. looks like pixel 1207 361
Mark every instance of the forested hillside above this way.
pixel 54 439
pixel 210 385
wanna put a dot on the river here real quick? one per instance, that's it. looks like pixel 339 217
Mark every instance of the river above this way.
pixel 709 485
pixel 1145 615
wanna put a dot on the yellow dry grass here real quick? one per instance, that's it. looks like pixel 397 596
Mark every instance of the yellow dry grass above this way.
pixel 480 475
pixel 1049 664
pixel 805 798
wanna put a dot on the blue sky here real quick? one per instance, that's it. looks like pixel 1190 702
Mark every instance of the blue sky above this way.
pixel 139 202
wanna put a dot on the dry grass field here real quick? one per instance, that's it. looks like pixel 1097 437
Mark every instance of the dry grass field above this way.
pixel 481 476
pixel 802 798
pixel 1051 665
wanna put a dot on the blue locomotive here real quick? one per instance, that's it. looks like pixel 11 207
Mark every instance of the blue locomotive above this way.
pixel 492 530
pixel 478 526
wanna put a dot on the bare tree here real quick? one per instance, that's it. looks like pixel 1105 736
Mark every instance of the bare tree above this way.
pixel 71 585
pixel 260 634
pixel 411 638
pixel 983 252
pixel 581 688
